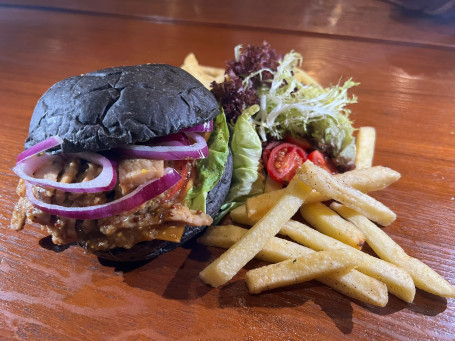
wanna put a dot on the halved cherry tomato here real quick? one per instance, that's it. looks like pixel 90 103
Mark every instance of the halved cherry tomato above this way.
pixel 321 160
pixel 267 150
pixel 299 141
pixel 284 160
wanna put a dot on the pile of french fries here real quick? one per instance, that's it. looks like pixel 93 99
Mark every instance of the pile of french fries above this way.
pixel 205 74
pixel 330 250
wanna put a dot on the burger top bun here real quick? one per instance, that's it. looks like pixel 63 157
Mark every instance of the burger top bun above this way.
pixel 121 105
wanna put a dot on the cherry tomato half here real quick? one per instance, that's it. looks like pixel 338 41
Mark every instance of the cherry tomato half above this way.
pixel 284 160
pixel 267 150
pixel 321 160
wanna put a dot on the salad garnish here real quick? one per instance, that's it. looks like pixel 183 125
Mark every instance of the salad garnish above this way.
pixel 266 104
pixel 259 75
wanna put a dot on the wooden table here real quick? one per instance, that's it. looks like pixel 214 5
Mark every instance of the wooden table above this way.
pixel 405 63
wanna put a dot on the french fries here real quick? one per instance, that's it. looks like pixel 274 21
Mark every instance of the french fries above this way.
pixel 300 269
pixel 230 262
pixel 205 74
pixel 365 180
pixel 424 277
pixel 330 223
pixel 365 141
pixel 398 281
pixel 352 283
pixel 274 251
pixel 330 186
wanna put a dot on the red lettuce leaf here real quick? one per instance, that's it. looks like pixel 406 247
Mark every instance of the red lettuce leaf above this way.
pixel 232 95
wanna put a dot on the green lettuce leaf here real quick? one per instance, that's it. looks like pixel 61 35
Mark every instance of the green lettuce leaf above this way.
pixel 211 168
pixel 247 177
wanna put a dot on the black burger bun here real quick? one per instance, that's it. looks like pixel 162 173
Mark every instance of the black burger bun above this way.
pixel 118 106
pixel 149 250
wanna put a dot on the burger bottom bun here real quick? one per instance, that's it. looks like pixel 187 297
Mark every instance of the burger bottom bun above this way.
pixel 151 249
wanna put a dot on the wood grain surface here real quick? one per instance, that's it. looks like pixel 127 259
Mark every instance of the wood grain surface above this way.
pixel 406 67
pixel 347 19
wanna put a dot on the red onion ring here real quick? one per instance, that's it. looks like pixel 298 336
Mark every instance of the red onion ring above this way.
pixel 170 140
pixel 105 181
pixel 140 195
pixel 49 143
pixel 198 150
pixel 201 128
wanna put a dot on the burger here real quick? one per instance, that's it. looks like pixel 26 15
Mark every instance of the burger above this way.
pixel 128 162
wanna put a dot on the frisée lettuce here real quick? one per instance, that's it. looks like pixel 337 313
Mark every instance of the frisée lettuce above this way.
pixel 288 106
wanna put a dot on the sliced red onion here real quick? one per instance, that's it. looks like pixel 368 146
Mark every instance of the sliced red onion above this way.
pixel 105 181
pixel 198 150
pixel 170 140
pixel 49 143
pixel 201 128
pixel 140 195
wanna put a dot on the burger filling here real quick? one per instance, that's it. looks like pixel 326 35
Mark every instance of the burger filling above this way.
pixel 128 195
pixel 163 217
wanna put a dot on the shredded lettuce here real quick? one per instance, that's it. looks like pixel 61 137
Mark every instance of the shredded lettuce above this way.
pixel 290 106
pixel 247 178
pixel 211 168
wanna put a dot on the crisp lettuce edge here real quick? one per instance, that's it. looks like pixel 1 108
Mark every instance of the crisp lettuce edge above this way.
pixel 247 179
pixel 211 169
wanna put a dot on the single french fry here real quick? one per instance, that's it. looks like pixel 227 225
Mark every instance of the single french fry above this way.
pixel 271 185
pixel 300 269
pixel 353 283
pixel 358 286
pixel 257 206
pixel 369 180
pixel 328 185
pixel 229 263
pixel 365 180
pixel 239 215
pixel 303 77
pixel 365 141
pixel 330 223
pixel 424 277
pixel 398 281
